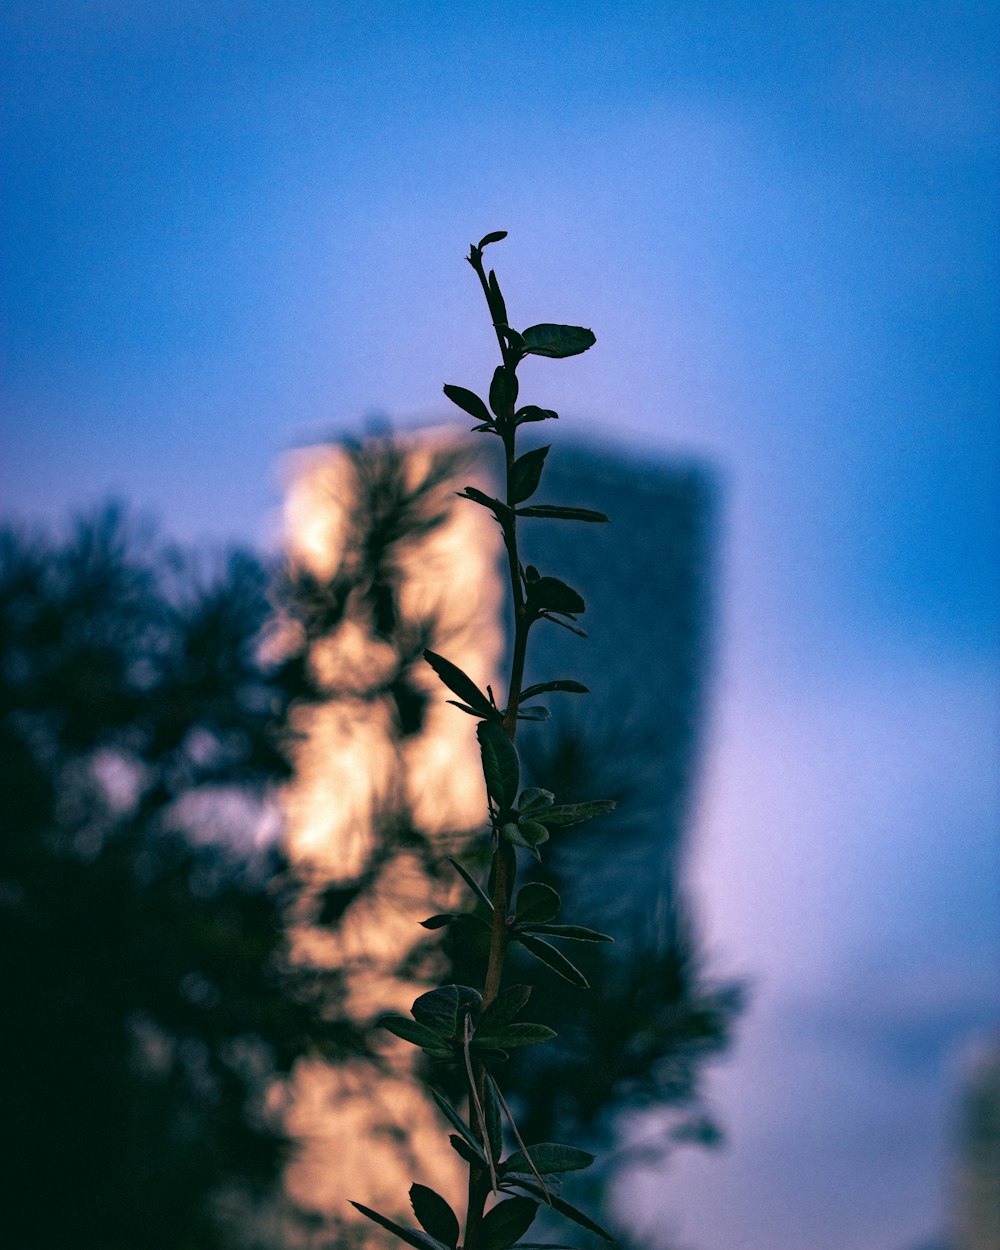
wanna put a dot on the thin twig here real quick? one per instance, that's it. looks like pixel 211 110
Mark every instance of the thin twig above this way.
pixel 518 1138
pixel 474 1097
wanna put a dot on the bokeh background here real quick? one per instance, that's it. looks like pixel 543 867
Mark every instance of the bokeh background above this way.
pixel 234 229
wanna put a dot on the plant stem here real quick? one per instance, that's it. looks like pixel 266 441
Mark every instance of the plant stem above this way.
pixel 504 859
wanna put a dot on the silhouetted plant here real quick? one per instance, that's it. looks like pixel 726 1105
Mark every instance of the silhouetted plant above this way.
pixel 460 1026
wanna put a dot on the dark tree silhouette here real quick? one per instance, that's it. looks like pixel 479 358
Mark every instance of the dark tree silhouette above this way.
pixel 150 1015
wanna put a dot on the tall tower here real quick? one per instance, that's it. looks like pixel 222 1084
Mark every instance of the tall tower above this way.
pixel 363 769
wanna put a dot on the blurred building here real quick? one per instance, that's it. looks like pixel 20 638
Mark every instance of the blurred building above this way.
pixel 646 582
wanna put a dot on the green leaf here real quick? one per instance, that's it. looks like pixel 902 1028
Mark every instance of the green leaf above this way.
pixel 464 707
pixel 488 1055
pixel 439 922
pixel 558 620
pixel 534 800
pixel 514 1035
pixel 493 237
pixel 548 1157
pixel 564 1208
pixel 412 1031
pixel 546 687
pixel 457 1122
pixel 469 402
pixel 556 960
pixel 504 1008
pixel 495 300
pixel 434 1215
pixel 503 390
pixel 557 513
pixel 574 931
pixel 557 341
pixel 471 882
pixel 553 595
pixel 514 341
pixel 412 1236
pixel 536 713
pixel 460 683
pixel 537 903
pixel 465 1151
pixel 567 814
pixel 444 1009
pixel 526 833
pixel 501 767
pixel 507 1222
pixel 533 831
pixel 496 506
pixel 525 474
pixel 531 412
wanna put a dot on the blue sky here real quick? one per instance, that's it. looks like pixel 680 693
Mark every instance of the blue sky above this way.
pixel 234 228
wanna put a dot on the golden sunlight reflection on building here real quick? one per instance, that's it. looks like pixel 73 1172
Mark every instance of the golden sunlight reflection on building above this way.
pixel 359 1134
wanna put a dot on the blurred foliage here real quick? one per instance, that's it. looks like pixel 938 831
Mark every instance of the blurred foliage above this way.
pixel 153 1013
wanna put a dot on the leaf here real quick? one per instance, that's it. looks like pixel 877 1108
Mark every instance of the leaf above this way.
pixel 465 1151
pixel 537 903
pixel 536 713
pixel 412 1236
pixel 495 300
pixel 546 687
pixel 457 1122
pixel 558 620
pixel 504 1008
pixel 469 402
pixel 558 513
pixel 501 767
pixel 553 595
pixel 525 474
pixel 514 1035
pixel 414 1031
pixel 556 960
pixel 549 1157
pixel 574 931
pixel 526 833
pixel 471 882
pixel 557 341
pixel 496 506
pixel 444 1009
pixel 434 1215
pixel 506 1222
pixel 438 922
pixel 567 814
pixel 503 390
pixel 460 683
pixel 565 1208
pixel 531 412
pixel 514 341
pixel 493 237
pixel 534 800
pixel 490 1055
pixel 464 707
